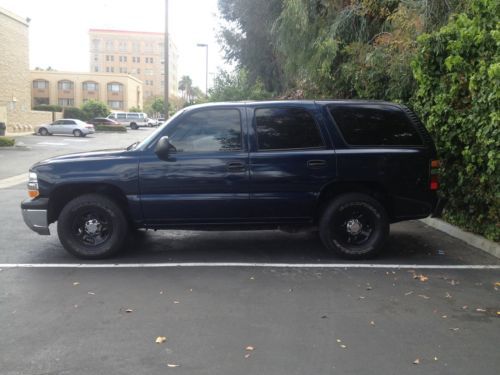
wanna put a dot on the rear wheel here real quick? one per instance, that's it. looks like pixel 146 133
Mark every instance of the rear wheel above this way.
pixel 354 226
pixel 77 133
pixel 43 131
pixel 92 227
pixel 134 126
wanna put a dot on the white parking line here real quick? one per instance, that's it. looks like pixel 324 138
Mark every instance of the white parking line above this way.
pixel 52 144
pixel 13 181
pixel 254 265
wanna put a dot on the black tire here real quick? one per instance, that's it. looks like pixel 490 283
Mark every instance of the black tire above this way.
pixel 134 126
pixel 92 226
pixel 354 226
pixel 77 133
pixel 43 131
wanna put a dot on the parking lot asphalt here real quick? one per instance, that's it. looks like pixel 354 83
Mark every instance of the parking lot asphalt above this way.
pixel 237 308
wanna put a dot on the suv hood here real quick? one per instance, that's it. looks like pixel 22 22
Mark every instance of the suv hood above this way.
pixel 92 155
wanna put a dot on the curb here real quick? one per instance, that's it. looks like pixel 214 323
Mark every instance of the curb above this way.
pixel 472 239
pixel 15 148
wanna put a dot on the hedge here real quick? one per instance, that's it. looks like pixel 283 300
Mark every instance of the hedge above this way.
pixel 458 73
pixel 48 108
pixel 110 128
pixel 7 142
pixel 75 113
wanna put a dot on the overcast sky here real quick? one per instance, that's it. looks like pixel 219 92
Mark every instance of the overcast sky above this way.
pixel 59 30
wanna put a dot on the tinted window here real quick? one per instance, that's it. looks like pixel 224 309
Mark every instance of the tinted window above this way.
pixel 209 130
pixel 121 116
pixel 370 126
pixel 133 115
pixel 286 128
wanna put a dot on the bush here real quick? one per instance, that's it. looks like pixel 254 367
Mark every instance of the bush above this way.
pixel 75 113
pixel 7 142
pixel 111 128
pixel 48 108
pixel 95 108
pixel 458 72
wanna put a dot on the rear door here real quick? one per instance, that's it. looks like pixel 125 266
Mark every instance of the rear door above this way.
pixel 206 179
pixel 291 159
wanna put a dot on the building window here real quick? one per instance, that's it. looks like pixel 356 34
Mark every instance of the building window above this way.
pixel 136 47
pixel 65 85
pixel 96 44
pixel 40 101
pixel 148 47
pixel 123 58
pixel 138 70
pixel 122 46
pixel 96 58
pixel 63 102
pixel 96 69
pixel 148 72
pixel 40 84
pixel 123 70
pixel 115 104
pixel 115 87
pixel 90 86
pixel 109 45
pixel 136 59
pixel 110 69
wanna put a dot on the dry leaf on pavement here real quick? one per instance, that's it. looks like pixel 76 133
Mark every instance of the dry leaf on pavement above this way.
pixel 480 310
pixel 160 339
pixel 250 348
pixel 247 355
pixel 76 283
pixel 421 277
pixel 424 296
pixel 416 362
pixel 172 365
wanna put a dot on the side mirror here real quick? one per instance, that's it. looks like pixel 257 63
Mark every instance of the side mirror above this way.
pixel 164 148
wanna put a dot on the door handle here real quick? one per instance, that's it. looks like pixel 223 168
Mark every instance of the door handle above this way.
pixel 314 164
pixel 235 166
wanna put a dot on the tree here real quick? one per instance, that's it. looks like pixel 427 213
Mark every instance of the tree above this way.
pixel 135 109
pixel 248 41
pixel 236 86
pixel 185 86
pixel 94 108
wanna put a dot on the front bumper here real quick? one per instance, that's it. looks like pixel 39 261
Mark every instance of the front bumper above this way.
pixel 35 215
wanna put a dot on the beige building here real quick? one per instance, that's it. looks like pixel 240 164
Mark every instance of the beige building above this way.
pixel 72 89
pixel 140 54
pixel 15 93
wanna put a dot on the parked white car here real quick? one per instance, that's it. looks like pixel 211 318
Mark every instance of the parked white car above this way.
pixel 67 126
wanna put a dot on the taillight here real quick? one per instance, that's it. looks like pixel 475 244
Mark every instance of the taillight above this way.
pixel 434 180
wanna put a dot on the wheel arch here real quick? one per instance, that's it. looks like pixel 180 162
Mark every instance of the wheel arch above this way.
pixel 335 189
pixel 61 195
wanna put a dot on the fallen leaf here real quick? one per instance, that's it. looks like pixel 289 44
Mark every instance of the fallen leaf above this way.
pixel 424 296
pixel 91 293
pixel 160 339
pixel 76 283
pixel 172 365
pixel 250 348
pixel 369 288
pixel 416 362
pixel 252 278
pixel 190 290
pixel 421 277
pixel 339 340
pixel 129 310
pixel 454 329
pixel 343 346
pixel 247 355
pixel 372 323
pixel 161 291
pixel 448 295
pixel 176 302
pixel 408 293
pixel 435 358
pixel 290 290
pixel 361 297
pixel 465 307
pixel 480 310
pixel 324 317
pixel 498 312
pixel 444 316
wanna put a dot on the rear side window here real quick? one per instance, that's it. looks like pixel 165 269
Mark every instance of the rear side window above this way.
pixel 371 126
pixel 286 128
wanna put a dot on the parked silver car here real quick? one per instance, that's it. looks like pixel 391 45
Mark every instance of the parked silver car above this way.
pixel 67 126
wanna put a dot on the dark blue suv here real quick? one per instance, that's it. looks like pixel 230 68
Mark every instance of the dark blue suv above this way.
pixel 347 168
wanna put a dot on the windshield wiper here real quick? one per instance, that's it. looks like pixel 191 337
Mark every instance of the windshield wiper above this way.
pixel 133 145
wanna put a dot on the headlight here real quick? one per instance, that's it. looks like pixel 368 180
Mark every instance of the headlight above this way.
pixel 33 185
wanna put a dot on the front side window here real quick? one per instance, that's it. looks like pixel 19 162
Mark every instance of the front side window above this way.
pixel 370 126
pixel 207 131
pixel 286 128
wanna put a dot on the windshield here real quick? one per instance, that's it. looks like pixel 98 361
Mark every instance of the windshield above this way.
pixel 142 145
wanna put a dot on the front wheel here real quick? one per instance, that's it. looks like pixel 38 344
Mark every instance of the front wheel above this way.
pixel 92 227
pixel 43 131
pixel 354 226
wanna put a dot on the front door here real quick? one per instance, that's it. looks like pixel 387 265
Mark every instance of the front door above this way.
pixel 205 180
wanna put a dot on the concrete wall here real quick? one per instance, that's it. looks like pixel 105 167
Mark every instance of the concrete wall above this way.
pixel 15 92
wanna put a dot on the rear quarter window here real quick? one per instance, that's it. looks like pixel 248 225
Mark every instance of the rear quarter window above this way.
pixel 375 126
